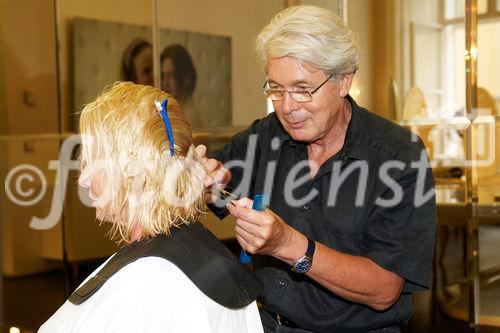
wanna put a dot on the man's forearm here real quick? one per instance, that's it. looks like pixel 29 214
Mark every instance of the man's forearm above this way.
pixel 354 278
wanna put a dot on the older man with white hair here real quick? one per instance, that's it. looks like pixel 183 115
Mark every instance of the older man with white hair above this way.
pixel 349 232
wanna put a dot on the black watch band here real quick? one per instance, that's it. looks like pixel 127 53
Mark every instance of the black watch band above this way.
pixel 311 247
pixel 304 263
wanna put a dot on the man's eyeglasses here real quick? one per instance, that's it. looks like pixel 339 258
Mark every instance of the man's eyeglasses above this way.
pixel 301 96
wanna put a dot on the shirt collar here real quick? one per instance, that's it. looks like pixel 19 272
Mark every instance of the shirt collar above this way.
pixel 355 143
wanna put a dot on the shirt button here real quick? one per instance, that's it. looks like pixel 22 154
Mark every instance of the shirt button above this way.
pixel 281 283
pixel 306 206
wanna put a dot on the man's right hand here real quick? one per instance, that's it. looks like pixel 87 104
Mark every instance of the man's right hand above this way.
pixel 217 176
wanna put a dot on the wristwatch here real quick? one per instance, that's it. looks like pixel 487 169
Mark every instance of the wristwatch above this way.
pixel 304 263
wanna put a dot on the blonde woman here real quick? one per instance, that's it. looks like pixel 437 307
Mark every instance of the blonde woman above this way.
pixel 172 275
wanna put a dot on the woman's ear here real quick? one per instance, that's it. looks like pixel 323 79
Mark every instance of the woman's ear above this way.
pixel 345 84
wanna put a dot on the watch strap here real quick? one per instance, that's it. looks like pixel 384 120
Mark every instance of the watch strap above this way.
pixel 311 247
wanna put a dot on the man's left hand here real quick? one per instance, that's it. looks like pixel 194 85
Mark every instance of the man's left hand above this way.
pixel 261 232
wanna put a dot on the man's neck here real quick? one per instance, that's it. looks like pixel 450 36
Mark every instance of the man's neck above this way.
pixel 330 144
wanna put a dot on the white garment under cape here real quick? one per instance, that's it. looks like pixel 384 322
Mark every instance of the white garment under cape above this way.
pixel 151 295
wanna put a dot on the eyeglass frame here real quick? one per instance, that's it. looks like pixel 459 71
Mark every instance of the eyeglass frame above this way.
pixel 283 91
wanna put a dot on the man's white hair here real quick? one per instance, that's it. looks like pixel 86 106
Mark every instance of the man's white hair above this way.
pixel 313 35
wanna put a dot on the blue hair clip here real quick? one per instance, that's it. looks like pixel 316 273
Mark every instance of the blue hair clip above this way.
pixel 162 110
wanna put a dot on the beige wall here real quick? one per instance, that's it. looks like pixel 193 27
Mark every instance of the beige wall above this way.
pixel 3 114
pixel 383 62
pixel 360 20
pixel 374 24
pixel 28 50
pixel 28 103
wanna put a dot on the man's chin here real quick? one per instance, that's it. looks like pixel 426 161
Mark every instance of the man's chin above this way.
pixel 300 135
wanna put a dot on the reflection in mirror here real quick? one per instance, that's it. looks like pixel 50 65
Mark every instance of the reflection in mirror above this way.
pixel 105 52
pixel 196 69
pixel 137 62
pixel 178 74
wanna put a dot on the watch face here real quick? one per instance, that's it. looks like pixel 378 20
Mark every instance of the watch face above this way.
pixel 303 265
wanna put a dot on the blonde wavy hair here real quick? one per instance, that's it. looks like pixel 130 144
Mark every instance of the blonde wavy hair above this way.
pixel 123 133
pixel 313 35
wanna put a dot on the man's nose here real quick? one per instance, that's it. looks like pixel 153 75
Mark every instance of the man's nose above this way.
pixel 288 103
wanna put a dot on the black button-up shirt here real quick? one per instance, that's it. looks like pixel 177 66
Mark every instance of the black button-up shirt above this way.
pixel 374 199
